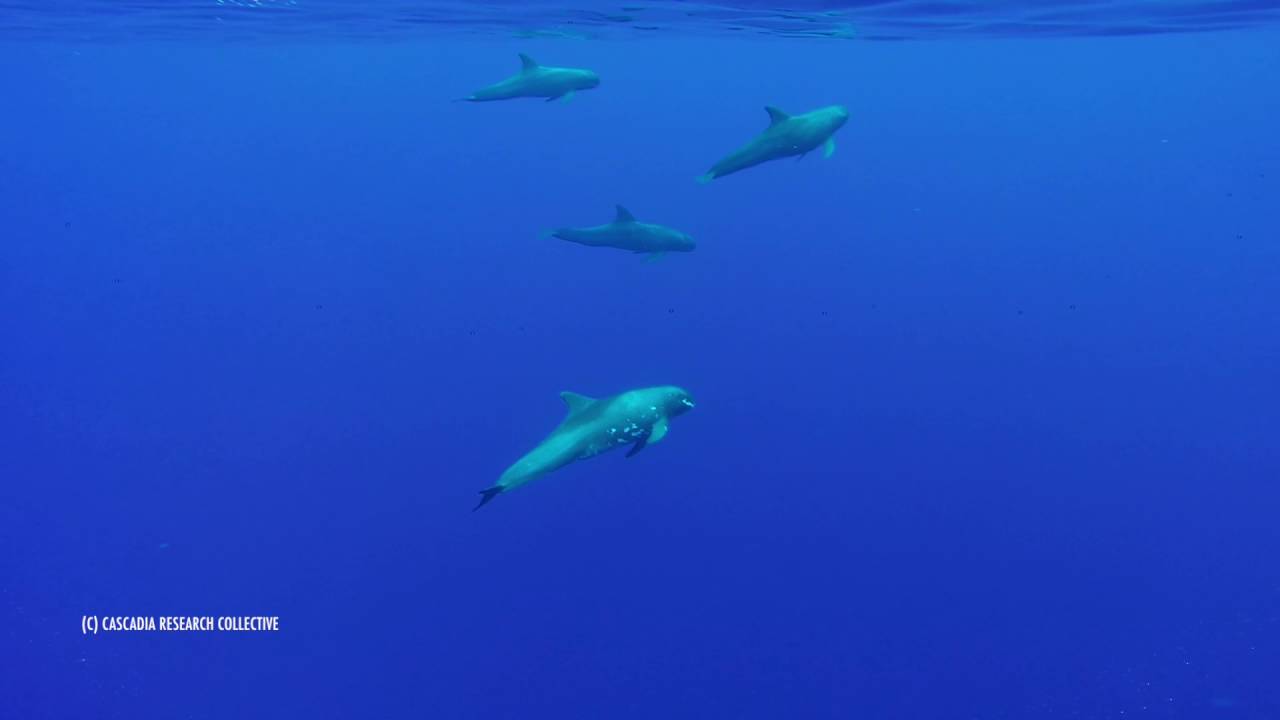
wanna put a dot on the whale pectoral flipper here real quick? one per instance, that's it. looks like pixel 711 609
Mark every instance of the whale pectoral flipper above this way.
pixel 658 432
pixel 654 257
pixel 829 148
pixel 488 494
pixel 641 443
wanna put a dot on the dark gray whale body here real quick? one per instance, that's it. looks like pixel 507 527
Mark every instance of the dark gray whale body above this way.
pixel 626 233
pixel 786 136
pixel 637 417
pixel 537 81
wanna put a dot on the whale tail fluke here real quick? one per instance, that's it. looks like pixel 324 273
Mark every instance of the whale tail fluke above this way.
pixel 704 179
pixel 487 495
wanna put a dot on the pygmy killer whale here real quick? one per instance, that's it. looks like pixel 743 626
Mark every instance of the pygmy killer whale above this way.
pixel 538 81
pixel 626 233
pixel 787 135
pixel 636 417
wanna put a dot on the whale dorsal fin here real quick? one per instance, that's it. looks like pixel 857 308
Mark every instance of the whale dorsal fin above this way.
pixel 775 115
pixel 624 216
pixel 527 63
pixel 577 403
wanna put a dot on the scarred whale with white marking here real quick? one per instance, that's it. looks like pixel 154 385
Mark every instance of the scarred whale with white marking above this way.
pixel 786 136
pixel 637 417
pixel 537 81
pixel 626 233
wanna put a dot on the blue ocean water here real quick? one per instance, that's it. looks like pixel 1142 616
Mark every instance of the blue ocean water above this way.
pixel 987 402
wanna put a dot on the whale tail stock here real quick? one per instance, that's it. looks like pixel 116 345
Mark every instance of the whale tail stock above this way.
pixel 487 495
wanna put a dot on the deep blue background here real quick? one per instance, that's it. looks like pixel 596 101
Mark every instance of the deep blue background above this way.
pixel 987 403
